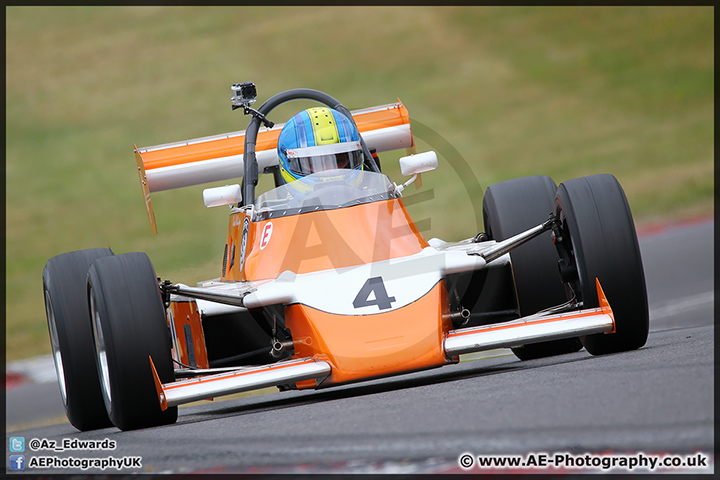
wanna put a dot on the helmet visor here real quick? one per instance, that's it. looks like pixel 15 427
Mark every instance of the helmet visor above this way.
pixel 304 161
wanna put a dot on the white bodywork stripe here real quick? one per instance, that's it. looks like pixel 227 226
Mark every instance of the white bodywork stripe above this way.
pixel 407 279
pixel 225 168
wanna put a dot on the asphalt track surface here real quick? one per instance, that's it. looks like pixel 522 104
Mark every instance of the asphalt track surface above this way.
pixel 656 400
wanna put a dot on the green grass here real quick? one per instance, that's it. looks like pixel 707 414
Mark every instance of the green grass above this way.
pixel 499 92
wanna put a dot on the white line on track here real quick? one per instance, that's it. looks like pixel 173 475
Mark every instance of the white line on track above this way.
pixel 675 307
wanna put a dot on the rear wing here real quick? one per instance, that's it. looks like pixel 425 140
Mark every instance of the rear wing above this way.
pixel 220 157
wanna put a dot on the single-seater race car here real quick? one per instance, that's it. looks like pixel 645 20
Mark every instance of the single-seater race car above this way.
pixel 326 279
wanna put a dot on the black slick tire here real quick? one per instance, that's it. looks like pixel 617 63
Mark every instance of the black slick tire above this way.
pixel 509 208
pixel 68 317
pixel 598 228
pixel 129 326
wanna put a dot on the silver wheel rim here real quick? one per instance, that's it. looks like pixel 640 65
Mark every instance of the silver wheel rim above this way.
pixel 57 356
pixel 101 353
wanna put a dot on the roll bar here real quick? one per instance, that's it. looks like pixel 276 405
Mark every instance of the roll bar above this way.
pixel 250 177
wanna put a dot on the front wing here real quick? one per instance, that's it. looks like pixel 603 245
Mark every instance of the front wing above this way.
pixel 527 330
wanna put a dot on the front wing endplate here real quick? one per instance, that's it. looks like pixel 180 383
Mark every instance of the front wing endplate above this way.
pixel 533 329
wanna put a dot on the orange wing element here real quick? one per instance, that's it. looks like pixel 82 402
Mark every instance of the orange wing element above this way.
pixel 145 190
pixel 158 386
pixel 220 157
pixel 186 323
pixel 321 240
pixel 366 346
pixel 604 304
pixel 533 329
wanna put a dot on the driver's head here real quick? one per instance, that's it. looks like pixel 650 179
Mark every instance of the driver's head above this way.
pixel 318 139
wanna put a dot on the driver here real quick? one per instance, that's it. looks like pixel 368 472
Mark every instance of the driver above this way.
pixel 318 139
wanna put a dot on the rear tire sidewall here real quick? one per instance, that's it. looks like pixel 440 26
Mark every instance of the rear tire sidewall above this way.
pixel 595 213
pixel 509 208
pixel 129 312
pixel 64 286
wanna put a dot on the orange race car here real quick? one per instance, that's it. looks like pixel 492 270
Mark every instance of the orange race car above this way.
pixel 326 279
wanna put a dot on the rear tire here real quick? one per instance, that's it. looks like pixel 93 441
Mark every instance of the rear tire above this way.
pixel 129 326
pixel 511 207
pixel 599 234
pixel 64 285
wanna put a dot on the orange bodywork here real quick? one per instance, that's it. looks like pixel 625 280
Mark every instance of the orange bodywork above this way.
pixel 366 346
pixel 357 346
pixel 189 333
pixel 321 240
pixel 145 190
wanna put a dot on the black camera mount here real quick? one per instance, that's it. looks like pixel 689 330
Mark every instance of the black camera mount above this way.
pixel 244 95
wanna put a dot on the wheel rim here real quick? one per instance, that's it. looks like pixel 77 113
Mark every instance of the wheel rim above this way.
pixel 569 246
pixel 57 356
pixel 101 353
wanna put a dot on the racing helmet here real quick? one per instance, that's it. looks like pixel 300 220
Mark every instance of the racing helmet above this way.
pixel 318 139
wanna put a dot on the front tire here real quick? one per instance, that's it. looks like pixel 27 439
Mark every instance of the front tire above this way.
pixel 598 236
pixel 129 326
pixel 511 207
pixel 64 286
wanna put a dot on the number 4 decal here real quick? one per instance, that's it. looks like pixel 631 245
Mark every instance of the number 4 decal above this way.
pixel 376 288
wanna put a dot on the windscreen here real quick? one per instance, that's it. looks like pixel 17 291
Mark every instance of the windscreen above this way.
pixel 325 190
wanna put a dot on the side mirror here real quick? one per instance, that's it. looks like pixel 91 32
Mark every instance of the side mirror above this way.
pixel 415 165
pixel 227 195
pixel 418 163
